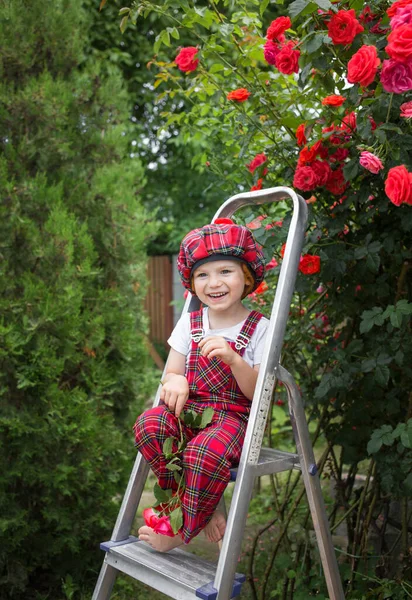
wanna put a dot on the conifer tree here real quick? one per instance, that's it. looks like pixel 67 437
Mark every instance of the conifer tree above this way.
pixel 72 350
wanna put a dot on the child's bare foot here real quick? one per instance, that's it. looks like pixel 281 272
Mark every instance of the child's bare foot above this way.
pixel 216 527
pixel 161 543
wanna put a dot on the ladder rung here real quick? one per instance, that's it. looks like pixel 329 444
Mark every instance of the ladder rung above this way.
pixel 178 574
pixel 272 461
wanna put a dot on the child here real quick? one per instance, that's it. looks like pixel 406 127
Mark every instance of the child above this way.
pixel 214 361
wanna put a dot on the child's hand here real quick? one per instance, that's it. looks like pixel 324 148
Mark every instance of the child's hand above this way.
pixel 175 393
pixel 216 346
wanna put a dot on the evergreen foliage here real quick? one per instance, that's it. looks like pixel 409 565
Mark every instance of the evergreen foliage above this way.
pixel 74 367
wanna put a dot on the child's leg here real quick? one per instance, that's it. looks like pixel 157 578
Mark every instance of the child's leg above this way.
pixel 207 460
pixel 151 429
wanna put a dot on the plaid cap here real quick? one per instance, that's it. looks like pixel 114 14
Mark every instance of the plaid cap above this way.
pixel 219 241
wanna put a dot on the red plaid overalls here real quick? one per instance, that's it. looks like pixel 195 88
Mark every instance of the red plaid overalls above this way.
pixel 210 452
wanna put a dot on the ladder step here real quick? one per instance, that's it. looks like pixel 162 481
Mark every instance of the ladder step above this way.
pixel 272 461
pixel 178 574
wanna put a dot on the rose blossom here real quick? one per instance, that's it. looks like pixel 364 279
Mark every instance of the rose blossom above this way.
pixel 270 52
pixel 277 27
pixel 398 185
pixel 403 17
pixel 396 77
pixel 400 43
pixel 305 179
pixel 336 183
pixel 339 156
pixel 344 27
pixel 300 134
pixel 257 186
pixel 239 95
pixel 322 171
pixel 370 162
pixel 256 162
pixel 307 155
pixel 333 100
pixel 287 61
pixel 393 9
pixel 363 66
pixel 406 109
pixel 185 59
pixel 309 264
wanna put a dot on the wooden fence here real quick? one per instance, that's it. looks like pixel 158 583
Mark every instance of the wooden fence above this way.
pixel 158 299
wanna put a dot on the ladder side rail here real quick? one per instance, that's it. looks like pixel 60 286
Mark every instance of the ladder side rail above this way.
pixel 265 383
pixel 312 485
pixel 105 582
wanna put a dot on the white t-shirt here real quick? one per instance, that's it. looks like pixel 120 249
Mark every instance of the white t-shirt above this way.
pixel 181 341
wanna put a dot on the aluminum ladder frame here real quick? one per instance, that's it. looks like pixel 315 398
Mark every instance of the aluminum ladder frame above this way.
pixel 124 553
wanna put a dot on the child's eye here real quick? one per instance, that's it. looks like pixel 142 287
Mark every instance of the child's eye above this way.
pixel 199 275
pixel 226 271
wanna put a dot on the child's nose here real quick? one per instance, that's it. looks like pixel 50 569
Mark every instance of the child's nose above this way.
pixel 215 281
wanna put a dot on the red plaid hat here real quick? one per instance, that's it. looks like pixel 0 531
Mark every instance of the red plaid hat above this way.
pixel 219 241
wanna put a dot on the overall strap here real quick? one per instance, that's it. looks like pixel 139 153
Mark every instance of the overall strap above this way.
pixel 196 326
pixel 247 331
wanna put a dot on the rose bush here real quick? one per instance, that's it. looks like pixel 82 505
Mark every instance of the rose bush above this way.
pixel 349 336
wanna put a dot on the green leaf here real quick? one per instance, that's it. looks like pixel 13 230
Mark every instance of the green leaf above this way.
pixel 373 262
pixel 406 436
pixel 370 318
pixel 313 43
pixel 351 169
pixel 404 307
pixel 207 416
pixel 408 482
pixel 324 4
pixel 263 6
pixel 399 429
pixel 176 519
pixel 160 494
pixel 382 375
pixel 374 445
pixel 296 7
pixel 174 32
pixel 171 466
pixel 167 446
pixel 396 319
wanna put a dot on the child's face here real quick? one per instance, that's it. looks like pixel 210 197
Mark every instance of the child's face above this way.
pixel 219 284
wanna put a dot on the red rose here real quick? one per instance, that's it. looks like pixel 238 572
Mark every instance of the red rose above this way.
pixel 270 52
pixel 309 264
pixel 336 183
pixel 333 100
pixel 262 288
pixel 300 134
pixel 256 162
pixel 239 95
pixel 322 171
pixel 287 61
pixel 349 123
pixel 398 185
pixel 185 59
pixel 363 66
pixel 257 186
pixel 394 7
pixel 340 155
pixel 305 179
pixel 277 27
pixel 400 43
pixel 307 155
pixel 343 27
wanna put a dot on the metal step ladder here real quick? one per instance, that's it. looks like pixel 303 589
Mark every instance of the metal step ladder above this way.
pixel 180 574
